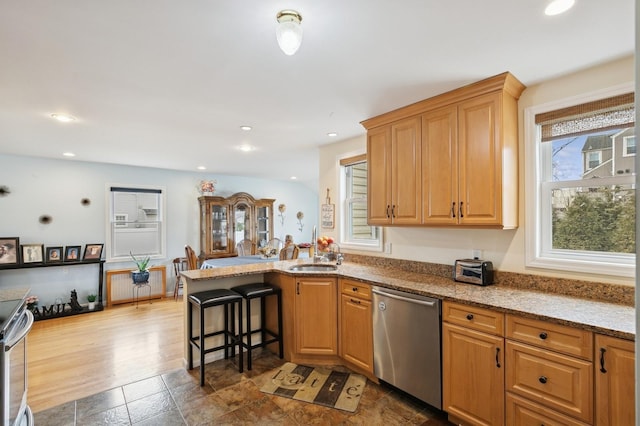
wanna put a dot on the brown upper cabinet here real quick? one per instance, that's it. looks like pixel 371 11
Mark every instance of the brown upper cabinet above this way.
pixel 449 160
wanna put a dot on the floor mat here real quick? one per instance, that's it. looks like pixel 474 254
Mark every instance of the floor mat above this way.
pixel 317 385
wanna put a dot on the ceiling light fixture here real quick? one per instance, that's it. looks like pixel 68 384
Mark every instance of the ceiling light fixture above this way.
pixel 245 128
pixel 557 7
pixel 68 154
pixel 289 31
pixel 65 118
pixel 332 134
pixel 201 168
pixel 246 148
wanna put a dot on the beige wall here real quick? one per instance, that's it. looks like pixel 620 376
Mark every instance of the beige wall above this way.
pixel 506 249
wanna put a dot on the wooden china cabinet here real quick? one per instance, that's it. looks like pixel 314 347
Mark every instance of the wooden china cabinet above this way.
pixel 226 221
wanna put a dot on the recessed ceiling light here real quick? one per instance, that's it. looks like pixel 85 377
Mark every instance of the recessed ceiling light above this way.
pixel 557 7
pixel 65 118
pixel 68 154
pixel 246 128
pixel 201 168
pixel 293 177
pixel 332 134
pixel 246 148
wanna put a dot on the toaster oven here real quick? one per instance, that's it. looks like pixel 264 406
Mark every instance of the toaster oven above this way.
pixel 473 271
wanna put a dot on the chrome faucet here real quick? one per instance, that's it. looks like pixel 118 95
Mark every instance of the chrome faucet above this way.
pixel 314 244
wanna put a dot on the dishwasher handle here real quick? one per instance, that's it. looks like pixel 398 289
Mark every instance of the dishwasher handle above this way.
pixel 405 299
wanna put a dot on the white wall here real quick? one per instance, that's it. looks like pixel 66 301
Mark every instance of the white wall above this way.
pixel 505 248
pixel 56 187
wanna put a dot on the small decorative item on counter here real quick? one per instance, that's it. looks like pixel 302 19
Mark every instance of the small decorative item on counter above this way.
pixel 267 251
pixel 324 242
pixel 207 187
pixel 32 303
pixel 300 216
pixel 282 208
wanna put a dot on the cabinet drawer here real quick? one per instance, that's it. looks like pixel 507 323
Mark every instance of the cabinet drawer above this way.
pixel 475 318
pixel 555 337
pixel 521 412
pixel 356 289
pixel 562 383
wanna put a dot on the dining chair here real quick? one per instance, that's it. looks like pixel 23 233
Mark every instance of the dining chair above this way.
pixel 290 251
pixel 246 247
pixel 192 259
pixel 179 264
pixel 275 243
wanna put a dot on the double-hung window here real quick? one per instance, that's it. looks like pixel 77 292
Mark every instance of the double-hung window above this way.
pixel 355 232
pixel 581 189
pixel 135 222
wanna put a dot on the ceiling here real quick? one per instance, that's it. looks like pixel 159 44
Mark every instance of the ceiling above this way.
pixel 168 83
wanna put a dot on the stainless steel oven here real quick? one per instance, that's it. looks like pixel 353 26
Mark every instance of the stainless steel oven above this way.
pixel 16 323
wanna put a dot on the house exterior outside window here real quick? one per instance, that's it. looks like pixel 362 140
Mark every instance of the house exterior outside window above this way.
pixel 583 186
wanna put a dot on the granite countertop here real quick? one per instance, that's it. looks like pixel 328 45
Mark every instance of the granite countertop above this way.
pixel 606 318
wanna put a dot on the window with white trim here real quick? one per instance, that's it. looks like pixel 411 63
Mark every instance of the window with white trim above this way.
pixel 629 146
pixel 135 222
pixel 355 232
pixel 584 197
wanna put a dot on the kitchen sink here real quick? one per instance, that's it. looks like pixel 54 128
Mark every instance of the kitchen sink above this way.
pixel 314 267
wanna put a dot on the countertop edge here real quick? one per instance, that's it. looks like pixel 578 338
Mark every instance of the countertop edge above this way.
pixel 599 317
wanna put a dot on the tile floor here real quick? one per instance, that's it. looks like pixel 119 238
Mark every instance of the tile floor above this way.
pixel 230 398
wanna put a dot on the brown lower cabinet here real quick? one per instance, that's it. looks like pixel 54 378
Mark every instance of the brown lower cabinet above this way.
pixel 356 329
pixel 472 365
pixel 615 381
pixel 316 316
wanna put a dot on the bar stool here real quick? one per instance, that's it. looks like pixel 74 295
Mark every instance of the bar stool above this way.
pixel 207 299
pixel 261 291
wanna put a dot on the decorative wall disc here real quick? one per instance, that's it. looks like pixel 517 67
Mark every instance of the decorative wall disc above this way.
pixel 85 202
pixel 4 191
pixel 45 219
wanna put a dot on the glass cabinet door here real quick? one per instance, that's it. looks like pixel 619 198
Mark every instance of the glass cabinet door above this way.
pixel 242 221
pixel 263 225
pixel 219 228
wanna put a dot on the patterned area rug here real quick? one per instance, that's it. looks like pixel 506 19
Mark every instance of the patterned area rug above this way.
pixel 317 385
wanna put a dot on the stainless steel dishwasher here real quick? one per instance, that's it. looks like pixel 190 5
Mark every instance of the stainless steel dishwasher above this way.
pixel 406 343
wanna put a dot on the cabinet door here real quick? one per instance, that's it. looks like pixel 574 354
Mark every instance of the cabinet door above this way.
pixel 440 166
pixel 615 379
pixel 316 316
pixel 406 181
pixel 379 176
pixel 356 332
pixel 480 160
pixel 472 375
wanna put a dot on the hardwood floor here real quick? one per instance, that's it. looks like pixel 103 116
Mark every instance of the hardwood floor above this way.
pixel 75 357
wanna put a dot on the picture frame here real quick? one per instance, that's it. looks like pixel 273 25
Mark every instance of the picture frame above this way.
pixel 92 252
pixel 54 254
pixel 327 216
pixel 9 251
pixel 32 253
pixel 72 253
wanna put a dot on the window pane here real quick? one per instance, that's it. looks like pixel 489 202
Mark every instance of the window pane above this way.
pixel 598 154
pixel 357 231
pixel 136 222
pixel 599 219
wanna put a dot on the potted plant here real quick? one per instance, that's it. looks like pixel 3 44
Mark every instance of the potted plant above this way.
pixel 92 301
pixel 141 275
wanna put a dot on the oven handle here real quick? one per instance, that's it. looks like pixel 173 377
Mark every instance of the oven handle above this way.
pixel 20 333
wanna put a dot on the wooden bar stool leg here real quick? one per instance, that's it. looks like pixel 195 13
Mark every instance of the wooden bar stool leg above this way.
pixel 238 339
pixel 248 325
pixel 280 340
pixel 202 354
pixel 190 334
